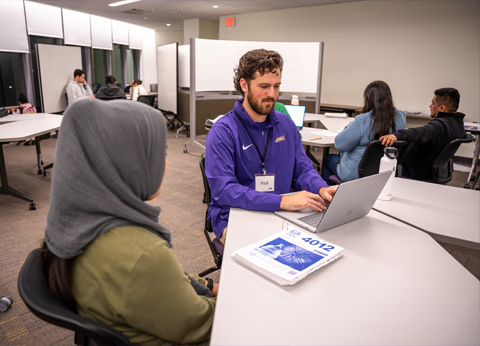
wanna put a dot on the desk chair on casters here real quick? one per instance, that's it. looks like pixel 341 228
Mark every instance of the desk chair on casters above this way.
pixel 370 162
pixel 41 301
pixel 443 165
pixel 147 99
pixel 216 247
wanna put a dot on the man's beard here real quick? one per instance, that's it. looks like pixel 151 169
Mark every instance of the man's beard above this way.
pixel 258 107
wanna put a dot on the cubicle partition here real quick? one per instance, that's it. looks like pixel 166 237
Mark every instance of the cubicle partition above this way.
pixel 167 77
pixel 211 72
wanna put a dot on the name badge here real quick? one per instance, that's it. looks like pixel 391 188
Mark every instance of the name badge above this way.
pixel 265 182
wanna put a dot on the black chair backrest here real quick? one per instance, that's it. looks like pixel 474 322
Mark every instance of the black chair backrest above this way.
pixel 154 87
pixel 147 99
pixel 208 194
pixel 127 89
pixel 370 162
pixel 443 165
pixel 41 301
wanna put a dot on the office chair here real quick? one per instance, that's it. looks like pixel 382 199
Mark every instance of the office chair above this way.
pixel 41 301
pixel 154 88
pixel 147 99
pixel 216 247
pixel 443 165
pixel 370 162
pixel 127 89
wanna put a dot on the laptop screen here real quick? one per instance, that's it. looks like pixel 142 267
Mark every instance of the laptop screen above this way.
pixel 297 113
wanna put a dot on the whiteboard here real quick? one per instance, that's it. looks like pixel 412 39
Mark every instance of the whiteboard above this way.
pixel 167 66
pixel 184 66
pixel 56 65
pixel 216 59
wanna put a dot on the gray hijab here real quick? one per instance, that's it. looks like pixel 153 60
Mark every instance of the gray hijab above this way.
pixel 110 158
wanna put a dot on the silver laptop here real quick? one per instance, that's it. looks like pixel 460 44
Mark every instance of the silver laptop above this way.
pixel 353 200
pixel 297 113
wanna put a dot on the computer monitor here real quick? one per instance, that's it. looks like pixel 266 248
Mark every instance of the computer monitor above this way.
pixel 297 113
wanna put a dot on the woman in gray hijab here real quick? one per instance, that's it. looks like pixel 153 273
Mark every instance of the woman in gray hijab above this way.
pixel 104 252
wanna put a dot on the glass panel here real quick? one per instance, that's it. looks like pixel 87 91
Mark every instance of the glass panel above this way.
pixel 117 67
pixel 34 64
pixel 12 78
pixel 99 68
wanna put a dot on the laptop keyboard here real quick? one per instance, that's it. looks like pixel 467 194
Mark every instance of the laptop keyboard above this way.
pixel 313 219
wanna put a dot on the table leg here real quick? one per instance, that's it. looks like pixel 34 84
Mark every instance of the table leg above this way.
pixel 39 155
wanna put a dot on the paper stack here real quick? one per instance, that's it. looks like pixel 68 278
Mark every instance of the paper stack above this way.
pixel 288 256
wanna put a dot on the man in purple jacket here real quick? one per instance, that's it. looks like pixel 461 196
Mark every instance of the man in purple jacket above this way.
pixel 254 153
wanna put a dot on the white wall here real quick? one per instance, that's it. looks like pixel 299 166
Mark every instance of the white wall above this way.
pixel 209 29
pixel 414 46
pixel 166 37
pixel 191 28
pixel 148 59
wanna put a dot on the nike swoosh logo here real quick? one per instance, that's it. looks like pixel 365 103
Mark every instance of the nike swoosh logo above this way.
pixel 245 148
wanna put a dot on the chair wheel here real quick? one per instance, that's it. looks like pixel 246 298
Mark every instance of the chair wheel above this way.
pixel 188 134
pixel 203 155
pixel 176 135
pixel 46 173
pixel 33 206
pixel 466 186
pixel 185 150
pixel 39 172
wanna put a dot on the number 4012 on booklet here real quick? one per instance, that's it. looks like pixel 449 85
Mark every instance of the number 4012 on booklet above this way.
pixel 288 256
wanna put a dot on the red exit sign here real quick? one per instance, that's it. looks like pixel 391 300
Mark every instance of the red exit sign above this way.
pixel 230 21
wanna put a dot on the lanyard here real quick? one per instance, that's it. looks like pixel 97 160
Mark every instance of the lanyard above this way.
pixel 258 151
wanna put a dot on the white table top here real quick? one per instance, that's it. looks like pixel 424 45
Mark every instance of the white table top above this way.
pixel 22 117
pixel 394 285
pixel 20 130
pixel 332 124
pixel 309 133
pixel 449 214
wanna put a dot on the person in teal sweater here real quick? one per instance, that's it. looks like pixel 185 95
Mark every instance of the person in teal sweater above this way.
pixel 379 117
pixel 105 254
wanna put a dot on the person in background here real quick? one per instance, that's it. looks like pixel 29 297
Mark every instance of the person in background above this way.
pixel 137 89
pixel 78 88
pixel 110 91
pixel 24 107
pixel 105 254
pixel 254 154
pixel 379 117
pixel 426 142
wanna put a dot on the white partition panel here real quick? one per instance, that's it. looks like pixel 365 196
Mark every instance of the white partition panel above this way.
pixel 101 33
pixel 76 28
pixel 300 72
pixel 167 76
pixel 13 32
pixel 43 20
pixel 135 36
pixel 184 66
pixel 119 32
pixel 56 65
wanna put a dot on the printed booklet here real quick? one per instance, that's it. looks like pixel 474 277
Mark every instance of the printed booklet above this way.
pixel 288 256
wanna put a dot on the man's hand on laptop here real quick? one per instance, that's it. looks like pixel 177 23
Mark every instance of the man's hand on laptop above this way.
pixel 327 192
pixel 301 200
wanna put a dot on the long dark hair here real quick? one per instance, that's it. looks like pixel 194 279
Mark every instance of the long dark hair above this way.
pixel 377 98
pixel 58 273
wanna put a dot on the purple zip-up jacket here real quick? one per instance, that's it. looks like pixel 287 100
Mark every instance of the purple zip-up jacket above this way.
pixel 231 162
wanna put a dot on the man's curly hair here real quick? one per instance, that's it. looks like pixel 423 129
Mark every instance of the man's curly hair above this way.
pixel 261 60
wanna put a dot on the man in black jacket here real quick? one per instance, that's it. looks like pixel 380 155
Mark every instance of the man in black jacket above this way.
pixel 426 142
